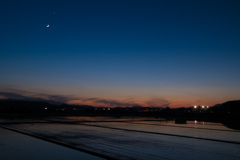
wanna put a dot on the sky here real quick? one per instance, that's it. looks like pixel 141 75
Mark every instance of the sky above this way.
pixel 121 52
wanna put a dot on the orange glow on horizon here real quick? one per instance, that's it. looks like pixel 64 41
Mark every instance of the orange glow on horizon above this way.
pixel 142 102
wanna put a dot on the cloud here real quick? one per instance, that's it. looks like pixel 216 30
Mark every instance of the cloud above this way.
pixel 38 97
pixel 95 101
pixel 57 98
pixel 158 102
pixel 115 103
pixel 9 95
pixel 104 102
pixel 88 99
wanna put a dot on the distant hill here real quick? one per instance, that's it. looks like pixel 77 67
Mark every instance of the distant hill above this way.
pixel 30 100
pixel 229 106
pixel 227 110
pixel 28 106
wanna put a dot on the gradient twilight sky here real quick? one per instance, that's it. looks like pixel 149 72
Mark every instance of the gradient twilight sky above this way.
pixel 121 53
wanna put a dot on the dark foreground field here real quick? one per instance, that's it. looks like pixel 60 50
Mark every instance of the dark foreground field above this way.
pixel 124 138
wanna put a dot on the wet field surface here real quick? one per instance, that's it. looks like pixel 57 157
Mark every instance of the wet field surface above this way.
pixel 134 138
pixel 15 146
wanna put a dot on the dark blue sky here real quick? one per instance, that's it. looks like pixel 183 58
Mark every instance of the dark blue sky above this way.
pixel 145 52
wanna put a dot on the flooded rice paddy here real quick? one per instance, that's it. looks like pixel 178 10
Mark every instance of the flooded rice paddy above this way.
pixel 134 137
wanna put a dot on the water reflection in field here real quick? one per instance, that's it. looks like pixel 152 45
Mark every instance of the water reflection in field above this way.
pixel 140 137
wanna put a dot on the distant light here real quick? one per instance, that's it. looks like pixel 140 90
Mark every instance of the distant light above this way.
pixel 48 26
pixel 45 108
pixel 207 106
pixel 195 121
pixel 195 106
pixel 203 106
pixel 109 109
